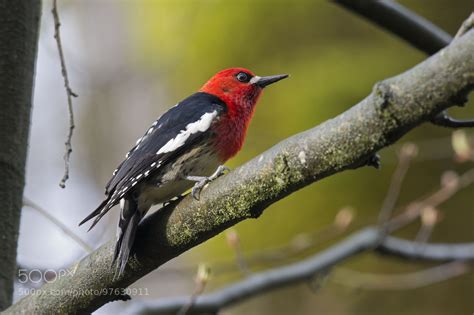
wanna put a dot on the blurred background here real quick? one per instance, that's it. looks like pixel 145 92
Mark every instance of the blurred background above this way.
pixel 129 61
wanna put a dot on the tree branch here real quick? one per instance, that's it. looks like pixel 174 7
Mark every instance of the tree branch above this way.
pixel 433 252
pixel 444 120
pixel 395 106
pixel 404 281
pixel 417 31
pixel 402 22
pixel 362 241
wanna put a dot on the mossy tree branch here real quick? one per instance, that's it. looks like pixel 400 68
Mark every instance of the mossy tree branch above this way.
pixel 394 107
pixel 19 23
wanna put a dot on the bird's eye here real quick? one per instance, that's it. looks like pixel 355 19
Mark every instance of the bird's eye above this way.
pixel 243 77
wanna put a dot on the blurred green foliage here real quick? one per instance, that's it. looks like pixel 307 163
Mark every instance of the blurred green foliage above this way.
pixel 334 59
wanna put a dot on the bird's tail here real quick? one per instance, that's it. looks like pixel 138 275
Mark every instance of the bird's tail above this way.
pixel 130 216
pixel 98 213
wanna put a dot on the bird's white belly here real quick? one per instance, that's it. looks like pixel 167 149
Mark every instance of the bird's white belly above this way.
pixel 197 162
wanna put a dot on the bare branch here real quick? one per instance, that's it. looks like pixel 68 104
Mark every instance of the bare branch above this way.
pixel 79 241
pixel 70 94
pixel 412 280
pixel 402 22
pixel 417 31
pixel 432 252
pixel 444 120
pixel 406 154
pixel 259 283
pixel 451 183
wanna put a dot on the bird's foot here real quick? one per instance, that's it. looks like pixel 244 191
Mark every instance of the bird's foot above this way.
pixel 202 181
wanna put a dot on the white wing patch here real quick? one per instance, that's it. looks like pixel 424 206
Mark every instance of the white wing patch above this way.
pixel 198 126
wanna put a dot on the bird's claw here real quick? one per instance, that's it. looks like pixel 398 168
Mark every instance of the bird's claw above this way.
pixel 196 191
pixel 219 172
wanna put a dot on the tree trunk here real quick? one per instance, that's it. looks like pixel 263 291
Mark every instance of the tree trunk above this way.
pixel 19 24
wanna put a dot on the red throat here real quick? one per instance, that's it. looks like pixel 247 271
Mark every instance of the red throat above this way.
pixel 240 99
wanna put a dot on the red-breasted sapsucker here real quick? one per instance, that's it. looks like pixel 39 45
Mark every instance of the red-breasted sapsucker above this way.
pixel 186 147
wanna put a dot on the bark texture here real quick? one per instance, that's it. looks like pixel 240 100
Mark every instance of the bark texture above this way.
pixel 19 23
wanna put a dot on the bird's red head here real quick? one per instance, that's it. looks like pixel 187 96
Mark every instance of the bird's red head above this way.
pixel 240 89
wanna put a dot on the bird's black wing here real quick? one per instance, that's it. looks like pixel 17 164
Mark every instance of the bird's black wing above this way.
pixel 166 139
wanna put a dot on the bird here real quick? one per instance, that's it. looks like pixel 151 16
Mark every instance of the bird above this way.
pixel 185 148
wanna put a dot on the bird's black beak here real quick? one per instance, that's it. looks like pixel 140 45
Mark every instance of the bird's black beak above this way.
pixel 264 81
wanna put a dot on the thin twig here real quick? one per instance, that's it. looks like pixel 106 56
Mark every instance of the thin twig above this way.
pixel 444 120
pixel 407 153
pixel 28 203
pixel 450 186
pixel 202 278
pixel 233 240
pixel 429 218
pixel 70 94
